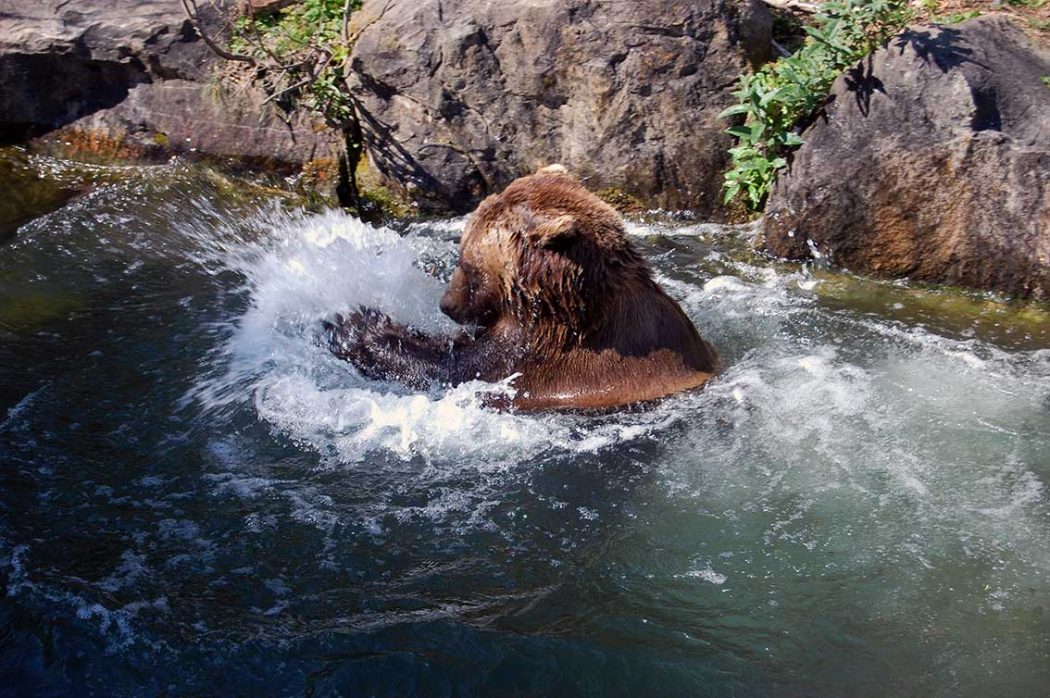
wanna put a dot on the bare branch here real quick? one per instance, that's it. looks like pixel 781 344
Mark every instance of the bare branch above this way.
pixel 781 51
pixel 312 70
pixel 218 50
pixel 346 23
pixel 291 88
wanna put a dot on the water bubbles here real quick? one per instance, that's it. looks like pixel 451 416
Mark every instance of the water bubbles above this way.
pixel 706 574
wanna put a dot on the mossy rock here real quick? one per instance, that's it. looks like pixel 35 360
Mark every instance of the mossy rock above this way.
pixel 944 309
pixel 621 200
pixel 30 310
pixel 378 200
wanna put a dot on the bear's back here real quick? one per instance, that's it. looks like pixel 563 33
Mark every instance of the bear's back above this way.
pixel 636 344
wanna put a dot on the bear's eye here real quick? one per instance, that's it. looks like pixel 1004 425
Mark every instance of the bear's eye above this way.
pixel 473 278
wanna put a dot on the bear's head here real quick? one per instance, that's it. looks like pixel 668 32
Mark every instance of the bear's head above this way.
pixel 545 252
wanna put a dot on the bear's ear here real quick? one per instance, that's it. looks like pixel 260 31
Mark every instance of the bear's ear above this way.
pixel 555 231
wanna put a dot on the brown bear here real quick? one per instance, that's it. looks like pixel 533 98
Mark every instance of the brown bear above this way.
pixel 558 295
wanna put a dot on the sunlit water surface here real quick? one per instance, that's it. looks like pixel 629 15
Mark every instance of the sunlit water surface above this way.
pixel 197 499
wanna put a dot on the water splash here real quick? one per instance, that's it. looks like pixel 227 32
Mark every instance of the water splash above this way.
pixel 311 266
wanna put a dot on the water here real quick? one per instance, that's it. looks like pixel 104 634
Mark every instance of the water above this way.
pixel 197 499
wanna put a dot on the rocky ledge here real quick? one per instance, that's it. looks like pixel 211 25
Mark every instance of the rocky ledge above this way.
pixel 132 78
pixel 932 162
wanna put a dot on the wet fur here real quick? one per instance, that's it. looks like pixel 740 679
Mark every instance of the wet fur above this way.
pixel 561 297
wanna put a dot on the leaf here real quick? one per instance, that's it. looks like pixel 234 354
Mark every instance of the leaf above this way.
pixel 731 191
pixel 770 96
pixel 740 131
pixel 827 41
pixel 756 196
pixel 734 110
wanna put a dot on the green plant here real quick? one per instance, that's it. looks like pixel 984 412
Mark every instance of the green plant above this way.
pixel 300 53
pixel 777 97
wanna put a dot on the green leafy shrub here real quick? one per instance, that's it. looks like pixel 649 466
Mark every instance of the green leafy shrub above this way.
pixel 300 55
pixel 777 97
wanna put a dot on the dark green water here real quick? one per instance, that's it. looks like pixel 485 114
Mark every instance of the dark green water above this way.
pixel 195 499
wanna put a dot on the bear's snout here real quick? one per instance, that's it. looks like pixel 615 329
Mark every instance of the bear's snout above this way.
pixel 448 307
pixel 454 301
pixel 464 313
pixel 468 300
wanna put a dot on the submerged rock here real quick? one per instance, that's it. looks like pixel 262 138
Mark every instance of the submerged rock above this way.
pixel 460 97
pixel 131 77
pixel 932 162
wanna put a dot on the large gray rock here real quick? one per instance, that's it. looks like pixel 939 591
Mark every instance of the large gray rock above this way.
pixel 132 75
pixel 932 162
pixel 460 97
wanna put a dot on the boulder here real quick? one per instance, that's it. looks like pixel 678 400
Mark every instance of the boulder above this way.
pixel 460 97
pixel 131 77
pixel 932 161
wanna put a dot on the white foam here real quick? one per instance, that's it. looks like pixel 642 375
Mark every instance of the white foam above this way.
pixel 728 284
pixel 18 410
pixel 707 574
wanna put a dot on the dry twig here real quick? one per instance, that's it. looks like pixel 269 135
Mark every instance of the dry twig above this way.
pixel 193 16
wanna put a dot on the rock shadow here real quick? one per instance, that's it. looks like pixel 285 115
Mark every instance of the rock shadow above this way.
pixel 946 48
pixel 44 92
pixel 861 81
pixel 398 164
